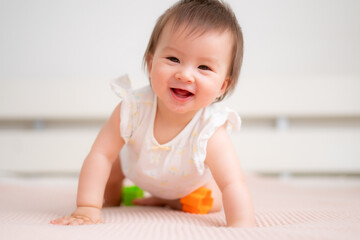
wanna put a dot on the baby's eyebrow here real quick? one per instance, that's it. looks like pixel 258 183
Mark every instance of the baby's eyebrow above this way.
pixel 169 48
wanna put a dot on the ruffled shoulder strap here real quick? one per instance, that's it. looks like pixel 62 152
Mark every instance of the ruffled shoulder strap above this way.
pixel 122 87
pixel 212 118
pixel 229 117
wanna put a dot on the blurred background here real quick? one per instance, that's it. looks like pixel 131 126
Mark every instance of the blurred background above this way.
pixel 298 93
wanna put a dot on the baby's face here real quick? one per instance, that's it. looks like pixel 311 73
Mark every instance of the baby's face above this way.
pixel 189 71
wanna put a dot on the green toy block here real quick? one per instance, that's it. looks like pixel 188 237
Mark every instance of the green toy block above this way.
pixel 131 193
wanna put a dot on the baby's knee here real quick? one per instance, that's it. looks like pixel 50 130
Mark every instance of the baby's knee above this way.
pixel 217 206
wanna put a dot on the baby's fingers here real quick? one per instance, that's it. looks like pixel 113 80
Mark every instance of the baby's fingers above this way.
pixel 81 220
pixel 74 220
pixel 61 221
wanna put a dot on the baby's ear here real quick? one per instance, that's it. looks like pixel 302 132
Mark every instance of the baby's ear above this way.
pixel 225 86
pixel 149 63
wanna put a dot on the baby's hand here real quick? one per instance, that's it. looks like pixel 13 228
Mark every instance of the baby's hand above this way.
pixel 81 216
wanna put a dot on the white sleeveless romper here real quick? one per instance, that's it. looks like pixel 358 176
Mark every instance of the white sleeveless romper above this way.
pixel 175 169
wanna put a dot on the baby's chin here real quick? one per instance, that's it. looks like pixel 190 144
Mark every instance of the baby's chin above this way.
pixel 182 108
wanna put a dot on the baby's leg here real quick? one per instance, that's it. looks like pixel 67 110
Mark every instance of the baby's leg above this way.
pixel 158 202
pixel 112 196
pixel 175 204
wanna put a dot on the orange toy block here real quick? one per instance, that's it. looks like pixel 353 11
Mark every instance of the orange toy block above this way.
pixel 199 201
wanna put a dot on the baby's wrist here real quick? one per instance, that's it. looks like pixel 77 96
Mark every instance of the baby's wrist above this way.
pixel 87 210
pixel 88 206
pixel 242 224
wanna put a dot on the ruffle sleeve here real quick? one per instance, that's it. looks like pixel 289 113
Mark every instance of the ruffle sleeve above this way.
pixel 122 87
pixel 212 119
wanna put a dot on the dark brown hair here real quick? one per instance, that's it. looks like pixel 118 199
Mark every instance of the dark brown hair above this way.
pixel 201 16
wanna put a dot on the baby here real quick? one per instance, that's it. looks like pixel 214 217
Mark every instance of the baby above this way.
pixel 171 138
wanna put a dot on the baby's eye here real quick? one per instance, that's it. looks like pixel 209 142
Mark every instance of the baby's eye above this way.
pixel 204 67
pixel 173 59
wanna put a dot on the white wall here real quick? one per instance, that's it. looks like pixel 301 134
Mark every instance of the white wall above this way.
pixel 301 64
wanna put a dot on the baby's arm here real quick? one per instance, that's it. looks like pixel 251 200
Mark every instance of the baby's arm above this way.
pixel 95 173
pixel 225 168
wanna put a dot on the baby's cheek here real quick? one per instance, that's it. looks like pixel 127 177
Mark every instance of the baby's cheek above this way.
pixel 160 72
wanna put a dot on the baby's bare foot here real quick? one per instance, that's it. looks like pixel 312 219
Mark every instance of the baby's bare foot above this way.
pixel 158 202
pixel 149 201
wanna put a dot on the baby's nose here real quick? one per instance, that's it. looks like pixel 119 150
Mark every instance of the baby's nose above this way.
pixel 185 76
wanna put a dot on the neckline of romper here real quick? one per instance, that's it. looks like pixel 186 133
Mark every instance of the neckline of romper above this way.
pixel 182 132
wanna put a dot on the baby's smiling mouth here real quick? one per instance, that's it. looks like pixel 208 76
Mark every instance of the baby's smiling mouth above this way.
pixel 181 93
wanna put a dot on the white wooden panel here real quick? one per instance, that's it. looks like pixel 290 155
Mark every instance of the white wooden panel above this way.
pixel 61 150
pixel 300 150
pixel 57 100
pixel 297 96
pixel 305 150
